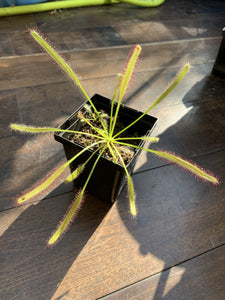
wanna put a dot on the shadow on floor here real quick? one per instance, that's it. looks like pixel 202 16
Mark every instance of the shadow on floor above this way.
pixel 31 270
pixel 176 213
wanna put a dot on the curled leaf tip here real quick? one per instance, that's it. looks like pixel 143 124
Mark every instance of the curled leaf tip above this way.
pixel 137 48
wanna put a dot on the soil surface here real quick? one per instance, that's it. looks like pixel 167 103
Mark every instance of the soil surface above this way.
pixel 87 120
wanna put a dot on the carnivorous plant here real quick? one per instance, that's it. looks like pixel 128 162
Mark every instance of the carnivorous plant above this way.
pixel 105 137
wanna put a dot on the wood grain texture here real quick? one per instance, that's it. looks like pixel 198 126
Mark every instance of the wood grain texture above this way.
pixel 36 70
pixel 25 161
pixel 26 263
pixel 9 112
pixel 16 23
pixel 180 218
pixel 201 278
pixel 177 218
pixel 175 247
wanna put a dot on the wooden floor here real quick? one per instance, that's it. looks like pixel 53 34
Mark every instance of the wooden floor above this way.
pixel 175 249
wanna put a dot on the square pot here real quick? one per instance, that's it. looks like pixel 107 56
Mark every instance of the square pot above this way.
pixel 108 178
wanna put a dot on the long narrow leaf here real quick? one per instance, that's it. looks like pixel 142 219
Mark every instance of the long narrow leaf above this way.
pixel 161 97
pixel 64 65
pixel 47 182
pixel 75 173
pixel 68 218
pixel 32 129
pixel 143 138
pixel 129 69
pixel 114 97
pixel 192 168
pixel 80 169
pixel 112 153
pixel 129 184
pixel 58 59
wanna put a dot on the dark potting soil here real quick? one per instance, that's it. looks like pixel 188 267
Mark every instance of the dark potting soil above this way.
pixel 85 140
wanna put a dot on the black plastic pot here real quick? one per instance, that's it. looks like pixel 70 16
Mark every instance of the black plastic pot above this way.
pixel 108 178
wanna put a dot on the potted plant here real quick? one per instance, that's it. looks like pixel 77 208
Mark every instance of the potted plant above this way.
pixel 105 133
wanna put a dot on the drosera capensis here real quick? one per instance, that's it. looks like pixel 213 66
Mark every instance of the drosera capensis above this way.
pixel 105 139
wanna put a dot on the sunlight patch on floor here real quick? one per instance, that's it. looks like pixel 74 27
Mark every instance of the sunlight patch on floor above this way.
pixel 175 276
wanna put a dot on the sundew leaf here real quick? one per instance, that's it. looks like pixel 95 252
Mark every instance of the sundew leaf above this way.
pixel 75 173
pixel 129 69
pixel 64 66
pixel 114 97
pixel 49 180
pixel 58 59
pixel 175 82
pixel 101 132
pixel 70 215
pixel 80 168
pixel 194 169
pixel 43 186
pixel 31 129
pixel 143 138
pixel 130 185
pixel 112 153
pixel 68 218
pixel 171 87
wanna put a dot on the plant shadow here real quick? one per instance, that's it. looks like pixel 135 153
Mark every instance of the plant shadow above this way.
pixel 30 269
pixel 176 212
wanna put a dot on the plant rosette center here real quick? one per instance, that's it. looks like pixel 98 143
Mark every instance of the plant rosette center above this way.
pixel 92 127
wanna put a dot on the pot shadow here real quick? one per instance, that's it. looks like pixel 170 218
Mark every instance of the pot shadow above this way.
pixel 166 197
pixel 30 269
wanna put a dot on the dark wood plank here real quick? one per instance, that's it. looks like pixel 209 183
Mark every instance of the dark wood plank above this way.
pixel 36 70
pixel 24 162
pixel 163 31
pixel 9 112
pixel 49 104
pixel 30 270
pixel 95 37
pixel 20 43
pixel 23 43
pixel 200 278
pixel 16 23
pixel 178 219
pixel 6 47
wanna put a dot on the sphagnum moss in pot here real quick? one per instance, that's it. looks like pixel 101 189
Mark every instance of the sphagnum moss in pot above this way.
pixel 103 134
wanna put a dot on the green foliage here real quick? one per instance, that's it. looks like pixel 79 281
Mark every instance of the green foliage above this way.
pixel 106 139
